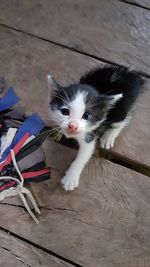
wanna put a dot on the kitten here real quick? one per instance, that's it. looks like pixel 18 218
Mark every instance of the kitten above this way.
pixel 98 105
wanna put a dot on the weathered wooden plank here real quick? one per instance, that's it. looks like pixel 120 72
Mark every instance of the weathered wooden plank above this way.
pixel 105 222
pixel 25 62
pixel 142 3
pixel 136 135
pixel 16 253
pixel 108 29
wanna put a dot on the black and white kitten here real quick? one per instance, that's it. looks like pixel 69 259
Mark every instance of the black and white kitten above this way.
pixel 98 105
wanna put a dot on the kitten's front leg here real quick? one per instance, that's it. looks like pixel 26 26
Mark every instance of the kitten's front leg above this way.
pixel 71 179
pixel 108 138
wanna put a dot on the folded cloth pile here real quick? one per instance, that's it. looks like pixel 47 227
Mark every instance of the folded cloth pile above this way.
pixel 22 158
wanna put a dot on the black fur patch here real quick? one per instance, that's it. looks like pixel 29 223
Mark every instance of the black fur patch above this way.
pixel 116 80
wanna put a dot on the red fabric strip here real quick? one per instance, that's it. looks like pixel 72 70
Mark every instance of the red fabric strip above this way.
pixel 27 175
pixel 16 149
pixel 9 184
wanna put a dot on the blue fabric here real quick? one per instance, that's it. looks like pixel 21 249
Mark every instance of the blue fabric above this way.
pixel 9 99
pixel 33 125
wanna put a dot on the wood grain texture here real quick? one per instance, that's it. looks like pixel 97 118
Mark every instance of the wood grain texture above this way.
pixel 108 29
pixel 25 62
pixel 142 3
pixel 16 253
pixel 105 222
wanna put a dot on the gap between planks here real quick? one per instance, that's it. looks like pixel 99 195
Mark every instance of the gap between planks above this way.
pixel 144 74
pixel 112 156
pixel 50 252
pixel 133 4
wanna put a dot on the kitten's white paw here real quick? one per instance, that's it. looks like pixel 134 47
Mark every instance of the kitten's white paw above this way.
pixel 70 181
pixel 108 138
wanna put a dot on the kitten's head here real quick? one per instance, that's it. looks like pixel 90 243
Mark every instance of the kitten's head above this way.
pixel 78 109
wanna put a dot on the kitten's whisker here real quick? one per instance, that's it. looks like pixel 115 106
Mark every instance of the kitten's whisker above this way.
pixel 54 131
pixel 93 105
pixel 66 94
pixel 108 92
pixel 58 136
pixel 91 100
pixel 63 99
pixel 53 126
pixel 55 137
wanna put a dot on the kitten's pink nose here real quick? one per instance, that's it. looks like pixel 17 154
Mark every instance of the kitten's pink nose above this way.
pixel 72 127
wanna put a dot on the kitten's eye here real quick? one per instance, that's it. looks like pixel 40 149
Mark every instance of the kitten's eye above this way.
pixel 86 115
pixel 65 111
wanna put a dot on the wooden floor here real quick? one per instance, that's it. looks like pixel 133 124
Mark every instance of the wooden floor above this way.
pixel 106 221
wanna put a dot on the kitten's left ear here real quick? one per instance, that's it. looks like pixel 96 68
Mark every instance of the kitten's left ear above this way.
pixel 114 98
pixel 53 87
pixel 111 100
